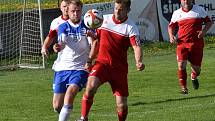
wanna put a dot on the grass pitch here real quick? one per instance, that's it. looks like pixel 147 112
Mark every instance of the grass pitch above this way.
pixel 26 94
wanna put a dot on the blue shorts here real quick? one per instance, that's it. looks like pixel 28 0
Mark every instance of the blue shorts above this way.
pixel 62 79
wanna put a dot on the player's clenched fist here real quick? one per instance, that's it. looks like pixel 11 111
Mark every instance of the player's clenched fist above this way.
pixel 140 66
pixel 56 47
pixel 44 51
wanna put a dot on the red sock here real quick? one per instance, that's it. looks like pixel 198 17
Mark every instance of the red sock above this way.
pixel 182 76
pixel 193 75
pixel 122 115
pixel 86 105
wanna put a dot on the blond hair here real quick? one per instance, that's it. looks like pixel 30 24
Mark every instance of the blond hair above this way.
pixel 76 2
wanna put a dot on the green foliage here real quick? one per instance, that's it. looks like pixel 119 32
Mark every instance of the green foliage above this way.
pixel 210 39
pixel 157 48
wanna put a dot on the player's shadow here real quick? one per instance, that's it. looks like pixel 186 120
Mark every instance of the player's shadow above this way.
pixel 171 100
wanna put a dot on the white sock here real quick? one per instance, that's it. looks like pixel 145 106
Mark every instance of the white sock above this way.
pixel 65 113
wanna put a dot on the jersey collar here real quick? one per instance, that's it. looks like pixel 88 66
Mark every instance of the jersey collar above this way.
pixel 186 10
pixel 63 18
pixel 117 21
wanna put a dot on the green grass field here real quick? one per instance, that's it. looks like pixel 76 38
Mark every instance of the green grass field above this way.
pixel 26 95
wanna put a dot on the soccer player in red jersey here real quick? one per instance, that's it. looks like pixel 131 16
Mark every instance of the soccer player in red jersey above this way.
pixel 189 19
pixel 54 26
pixel 115 36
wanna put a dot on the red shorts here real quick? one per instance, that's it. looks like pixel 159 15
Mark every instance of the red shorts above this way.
pixel 117 77
pixel 193 54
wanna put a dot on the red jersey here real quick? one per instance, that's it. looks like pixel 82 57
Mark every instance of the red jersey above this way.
pixel 54 26
pixel 115 39
pixel 189 23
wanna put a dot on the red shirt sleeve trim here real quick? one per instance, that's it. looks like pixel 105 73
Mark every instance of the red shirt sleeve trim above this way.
pixel 135 40
pixel 52 33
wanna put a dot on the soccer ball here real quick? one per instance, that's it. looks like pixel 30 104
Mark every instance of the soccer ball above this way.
pixel 93 19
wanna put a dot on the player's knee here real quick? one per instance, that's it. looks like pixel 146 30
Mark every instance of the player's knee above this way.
pixel 182 65
pixel 91 92
pixel 122 106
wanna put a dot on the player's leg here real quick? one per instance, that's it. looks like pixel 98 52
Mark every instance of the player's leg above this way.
pixel 59 88
pixel 195 72
pixel 122 107
pixel 182 76
pixel 58 99
pixel 66 110
pixel 76 79
pixel 96 78
pixel 182 57
pixel 93 84
pixel 196 60
pixel 119 86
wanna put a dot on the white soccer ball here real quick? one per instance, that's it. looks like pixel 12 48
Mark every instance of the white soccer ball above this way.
pixel 93 19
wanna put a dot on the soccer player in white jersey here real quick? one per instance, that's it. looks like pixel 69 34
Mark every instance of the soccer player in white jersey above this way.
pixel 189 18
pixel 54 26
pixel 57 100
pixel 71 66
pixel 116 34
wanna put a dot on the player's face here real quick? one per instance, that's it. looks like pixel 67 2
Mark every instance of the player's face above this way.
pixel 75 13
pixel 187 4
pixel 64 8
pixel 121 11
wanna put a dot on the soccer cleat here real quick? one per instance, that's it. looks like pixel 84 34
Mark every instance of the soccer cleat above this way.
pixel 195 83
pixel 184 91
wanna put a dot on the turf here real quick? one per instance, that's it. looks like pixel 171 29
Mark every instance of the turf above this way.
pixel 26 94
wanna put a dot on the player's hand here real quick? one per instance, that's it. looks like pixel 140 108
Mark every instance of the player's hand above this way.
pixel 91 34
pixel 201 34
pixel 140 66
pixel 173 39
pixel 56 48
pixel 88 67
pixel 44 51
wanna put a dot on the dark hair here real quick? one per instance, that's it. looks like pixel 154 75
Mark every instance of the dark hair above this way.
pixel 127 3
pixel 76 2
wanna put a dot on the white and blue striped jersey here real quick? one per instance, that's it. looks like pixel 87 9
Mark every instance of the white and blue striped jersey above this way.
pixel 75 47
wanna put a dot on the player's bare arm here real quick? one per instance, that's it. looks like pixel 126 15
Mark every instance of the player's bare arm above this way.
pixel 93 51
pixel 205 29
pixel 172 37
pixel 45 46
pixel 138 57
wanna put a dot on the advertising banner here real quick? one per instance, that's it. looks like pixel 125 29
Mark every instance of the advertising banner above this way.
pixel 105 8
pixel 144 13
